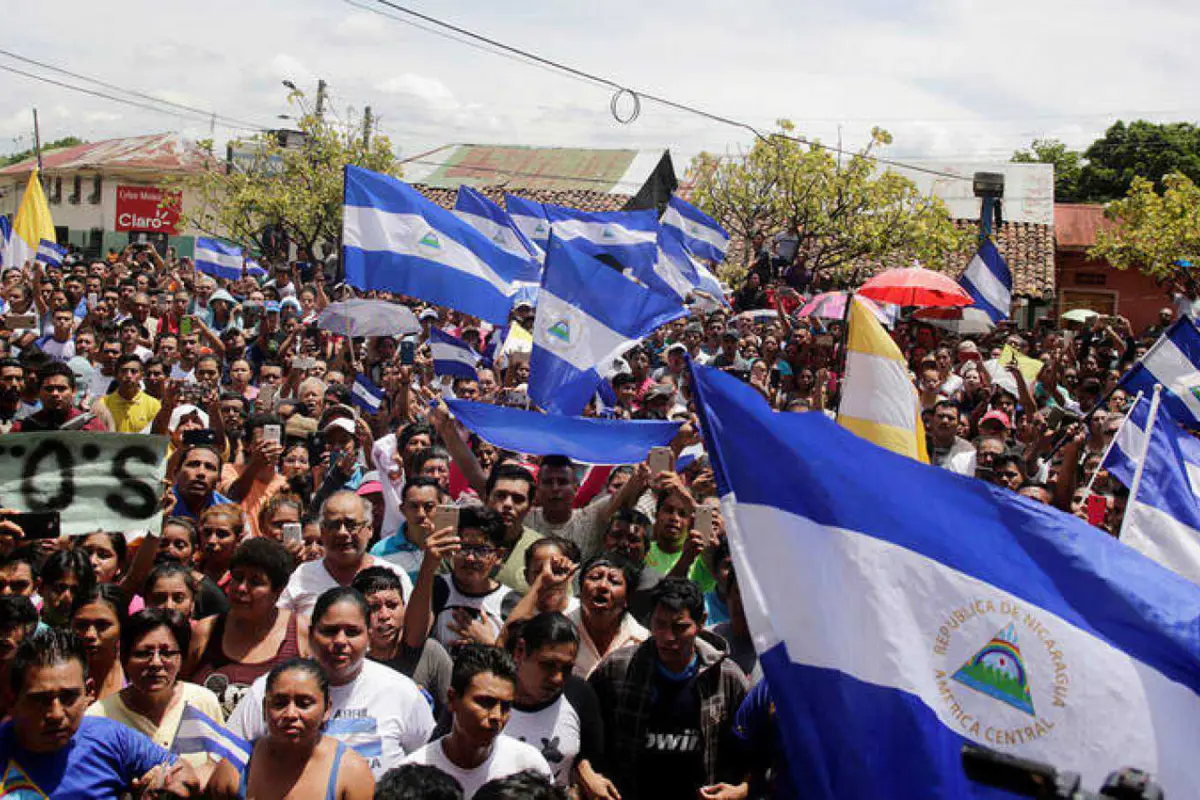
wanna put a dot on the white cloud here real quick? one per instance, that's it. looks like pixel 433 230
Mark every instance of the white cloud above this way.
pixel 429 90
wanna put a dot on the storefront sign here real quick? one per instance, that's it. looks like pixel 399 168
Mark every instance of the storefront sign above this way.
pixel 141 208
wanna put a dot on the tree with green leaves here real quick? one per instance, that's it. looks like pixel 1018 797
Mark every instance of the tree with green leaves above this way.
pixel 1068 166
pixel 295 187
pixel 844 211
pixel 1152 228
pixel 1139 149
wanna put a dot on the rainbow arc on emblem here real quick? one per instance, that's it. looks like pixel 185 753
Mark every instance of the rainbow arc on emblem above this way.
pixel 998 671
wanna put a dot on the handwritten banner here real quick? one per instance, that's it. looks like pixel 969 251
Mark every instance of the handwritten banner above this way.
pixel 96 481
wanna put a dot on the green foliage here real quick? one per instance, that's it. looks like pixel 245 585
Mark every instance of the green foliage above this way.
pixel 846 212
pixel 1068 166
pixel 298 189
pixel 1139 150
pixel 57 144
pixel 1153 228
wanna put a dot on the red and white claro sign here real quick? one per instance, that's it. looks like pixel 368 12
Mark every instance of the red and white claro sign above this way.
pixel 142 209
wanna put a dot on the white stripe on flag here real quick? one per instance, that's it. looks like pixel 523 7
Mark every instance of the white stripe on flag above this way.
pixel 877 389
pixel 1168 364
pixel 1157 535
pixel 377 230
pixel 364 394
pixel 232 261
pixel 603 233
pixel 916 641
pixel 694 230
pixel 500 235
pixel 989 286
pixel 589 342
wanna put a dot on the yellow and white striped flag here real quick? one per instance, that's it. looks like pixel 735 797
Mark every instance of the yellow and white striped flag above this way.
pixel 32 224
pixel 879 401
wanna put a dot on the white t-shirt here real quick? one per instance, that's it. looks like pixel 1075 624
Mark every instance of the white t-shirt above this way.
pixel 508 758
pixel 381 715
pixel 563 730
pixel 583 528
pixel 311 579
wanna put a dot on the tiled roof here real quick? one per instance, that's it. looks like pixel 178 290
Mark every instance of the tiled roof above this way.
pixel 160 152
pixel 1028 249
pixel 582 199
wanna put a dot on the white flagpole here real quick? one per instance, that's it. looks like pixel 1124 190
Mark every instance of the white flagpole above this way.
pixel 1087 491
pixel 1141 464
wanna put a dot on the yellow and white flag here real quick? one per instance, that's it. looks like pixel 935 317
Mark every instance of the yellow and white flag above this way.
pixel 32 224
pixel 879 401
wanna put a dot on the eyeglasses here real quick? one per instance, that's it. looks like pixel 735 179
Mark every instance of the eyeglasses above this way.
pixel 477 550
pixel 335 525
pixel 148 654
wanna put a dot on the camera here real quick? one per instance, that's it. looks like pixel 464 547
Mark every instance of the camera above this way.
pixel 1028 778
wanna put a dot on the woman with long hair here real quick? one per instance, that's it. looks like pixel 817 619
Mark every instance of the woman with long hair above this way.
pixel 295 758
pixel 97 620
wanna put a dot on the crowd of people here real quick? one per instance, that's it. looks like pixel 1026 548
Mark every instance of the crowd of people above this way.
pixel 386 605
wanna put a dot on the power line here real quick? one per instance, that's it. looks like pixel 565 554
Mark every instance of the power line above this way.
pixel 231 122
pixel 635 96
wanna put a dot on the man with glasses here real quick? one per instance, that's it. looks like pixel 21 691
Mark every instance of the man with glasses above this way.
pixel 345 521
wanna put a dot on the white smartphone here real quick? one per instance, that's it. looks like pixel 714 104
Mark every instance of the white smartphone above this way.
pixel 292 532
pixel 705 524
pixel 659 460
pixel 445 517
pixel 272 433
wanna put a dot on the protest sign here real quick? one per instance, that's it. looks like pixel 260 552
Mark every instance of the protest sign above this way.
pixel 96 481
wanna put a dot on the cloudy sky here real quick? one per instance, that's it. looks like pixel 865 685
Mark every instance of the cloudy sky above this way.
pixel 952 79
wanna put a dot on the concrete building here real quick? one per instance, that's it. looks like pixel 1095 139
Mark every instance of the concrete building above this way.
pixel 108 194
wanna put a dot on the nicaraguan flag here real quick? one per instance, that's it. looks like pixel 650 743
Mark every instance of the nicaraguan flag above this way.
pixel 50 253
pixel 702 235
pixel 452 356
pixel 5 235
pixel 1173 361
pixel 530 218
pixel 199 734
pixel 1163 520
pixel 590 441
pixel 625 240
pixel 900 611
pixel 366 395
pixel 219 259
pixel 495 223
pixel 394 239
pixel 989 281
pixel 587 313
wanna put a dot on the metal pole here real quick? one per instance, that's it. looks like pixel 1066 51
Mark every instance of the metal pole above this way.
pixel 321 99
pixel 367 128
pixel 37 141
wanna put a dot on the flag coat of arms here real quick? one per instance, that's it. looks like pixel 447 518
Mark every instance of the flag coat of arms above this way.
pixel 901 611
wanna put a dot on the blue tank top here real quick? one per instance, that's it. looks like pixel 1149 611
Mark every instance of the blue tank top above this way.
pixel 330 788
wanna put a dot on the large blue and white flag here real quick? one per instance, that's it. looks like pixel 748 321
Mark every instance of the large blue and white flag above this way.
pixel 1162 520
pixel 224 260
pixel 989 281
pixel 5 236
pixel 625 240
pixel 901 611
pixel 197 733
pixel 677 271
pixel 702 235
pixel 1174 362
pixel 452 356
pixel 366 395
pixel 530 218
pixel 394 239
pixel 50 253
pixel 495 223
pixel 590 441
pixel 587 313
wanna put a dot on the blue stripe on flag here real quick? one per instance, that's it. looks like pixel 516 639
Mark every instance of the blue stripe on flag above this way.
pixel 1165 484
pixel 702 235
pixel 591 441
pixel 1173 361
pixel 394 239
pixel 494 222
pixel 586 314
pixel 989 282
pixel 530 218
pixel 50 253
pixel 626 240
pixel 197 733
pixel 5 237
pixel 218 259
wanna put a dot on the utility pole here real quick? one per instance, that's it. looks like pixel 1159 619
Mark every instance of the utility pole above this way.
pixel 367 128
pixel 37 141
pixel 321 98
